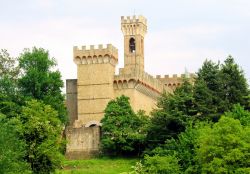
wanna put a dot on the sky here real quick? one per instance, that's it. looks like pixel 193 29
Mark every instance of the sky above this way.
pixel 182 34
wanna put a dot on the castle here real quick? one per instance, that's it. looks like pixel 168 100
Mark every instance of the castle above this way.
pixel 97 83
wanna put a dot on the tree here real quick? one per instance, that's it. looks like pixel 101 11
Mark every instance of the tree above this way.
pixel 235 87
pixel 182 148
pixel 121 128
pixel 207 92
pixel 221 147
pixel 39 81
pixel 9 93
pixel 12 148
pixel 39 133
pixel 8 65
pixel 41 130
pixel 202 146
pixel 9 72
pixel 238 112
pixel 172 115
pixel 224 147
pixel 218 87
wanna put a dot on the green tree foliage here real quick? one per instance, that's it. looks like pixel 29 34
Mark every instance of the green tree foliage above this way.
pixel 39 81
pixel 41 130
pixel 12 148
pixel 31 129
pixel 172 115
pixel 8 84
pixel 239 113
pixel 218 87
pixel 224 148
pixel 8 65
pixel 235 87
pixel 161 165
pixel 182 148
pixel 221 147
pixel 122 132
pixel 207 90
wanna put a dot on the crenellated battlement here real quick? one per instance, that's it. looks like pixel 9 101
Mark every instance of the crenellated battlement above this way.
pixel 133 19
pixel 95 54
pixel 175 80
pixel 173 76
pixel 142 78
pixel 133 25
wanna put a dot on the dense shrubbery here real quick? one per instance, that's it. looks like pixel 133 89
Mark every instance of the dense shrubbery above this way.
pixel 12 148
pixel 222 147
pixel 32 113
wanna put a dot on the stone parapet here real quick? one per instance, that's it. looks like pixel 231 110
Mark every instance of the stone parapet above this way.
pixel 101 54
pixel 143 78
pixel 134 25
pixel 175 80
pixel 176 76
pixel 133 19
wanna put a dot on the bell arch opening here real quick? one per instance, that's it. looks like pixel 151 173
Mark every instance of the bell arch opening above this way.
pixel 132 45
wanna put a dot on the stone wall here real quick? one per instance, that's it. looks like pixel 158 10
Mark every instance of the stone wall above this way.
pixel 82 142
pixel 95 76
pixel 138 100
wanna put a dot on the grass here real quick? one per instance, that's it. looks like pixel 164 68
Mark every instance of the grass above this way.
pixel 98 166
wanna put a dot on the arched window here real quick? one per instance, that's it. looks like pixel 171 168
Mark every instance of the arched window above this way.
pixel 132 45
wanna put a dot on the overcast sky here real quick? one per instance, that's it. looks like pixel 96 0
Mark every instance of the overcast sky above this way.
pixel 181 33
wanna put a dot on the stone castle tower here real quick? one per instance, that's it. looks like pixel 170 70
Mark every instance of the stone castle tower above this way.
pixel 134 30
pixel 97 83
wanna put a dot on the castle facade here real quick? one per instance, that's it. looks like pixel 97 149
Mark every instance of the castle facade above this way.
pixel 97 84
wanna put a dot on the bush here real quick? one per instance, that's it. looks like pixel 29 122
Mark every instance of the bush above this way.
pixel 161 165
pixel 41 130
pixel 12 148
pixel 224 148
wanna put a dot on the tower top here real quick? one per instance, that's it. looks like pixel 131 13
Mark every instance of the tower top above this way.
pixel 95 55
pixel 134 25
pixel 96 51
pixel 133 19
